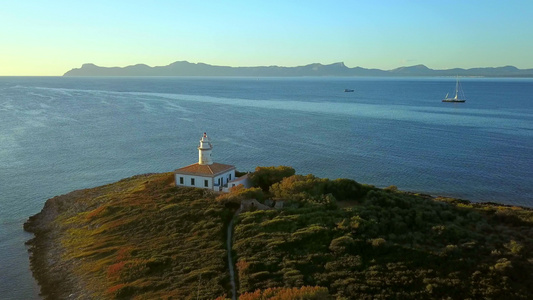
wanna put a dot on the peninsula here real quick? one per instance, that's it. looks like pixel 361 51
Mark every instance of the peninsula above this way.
pixel 184 68
pixel 146 238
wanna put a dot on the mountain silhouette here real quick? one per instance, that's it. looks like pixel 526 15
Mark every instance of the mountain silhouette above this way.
pixel 184 68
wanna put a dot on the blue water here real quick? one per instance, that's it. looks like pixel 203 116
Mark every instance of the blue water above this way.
pixel 59 134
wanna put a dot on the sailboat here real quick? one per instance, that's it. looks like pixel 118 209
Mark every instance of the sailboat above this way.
pixel 456 98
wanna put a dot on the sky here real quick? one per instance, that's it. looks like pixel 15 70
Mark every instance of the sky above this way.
pixel 50 37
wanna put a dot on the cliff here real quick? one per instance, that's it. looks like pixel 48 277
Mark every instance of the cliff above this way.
pixel 184 68
pixel 144 238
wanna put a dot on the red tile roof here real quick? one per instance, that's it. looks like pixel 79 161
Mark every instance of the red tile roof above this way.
pixel 204 170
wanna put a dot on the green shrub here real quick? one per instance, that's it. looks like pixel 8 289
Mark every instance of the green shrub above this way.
pixel 341 244
pixel 264 177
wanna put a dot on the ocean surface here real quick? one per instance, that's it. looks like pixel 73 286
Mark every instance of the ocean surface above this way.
pixel 58 134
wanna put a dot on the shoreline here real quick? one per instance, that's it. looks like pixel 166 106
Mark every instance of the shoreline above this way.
pixel 464 201
pixel 52 274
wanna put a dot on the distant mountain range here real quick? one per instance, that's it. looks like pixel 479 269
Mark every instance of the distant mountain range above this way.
pixel 184 68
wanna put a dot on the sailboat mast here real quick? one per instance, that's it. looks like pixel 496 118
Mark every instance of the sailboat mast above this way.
pixel 456 87
pixel 456 98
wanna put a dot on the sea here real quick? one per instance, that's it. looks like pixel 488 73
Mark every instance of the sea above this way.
pixel 59 134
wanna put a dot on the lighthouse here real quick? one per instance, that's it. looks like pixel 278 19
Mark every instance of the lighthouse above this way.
pixel 204 151
pixel 208 174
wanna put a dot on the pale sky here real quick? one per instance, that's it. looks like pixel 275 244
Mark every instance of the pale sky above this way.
pixel 50 37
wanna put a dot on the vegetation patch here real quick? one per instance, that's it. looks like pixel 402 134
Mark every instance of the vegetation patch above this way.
pixel 386 244
pixel 144 238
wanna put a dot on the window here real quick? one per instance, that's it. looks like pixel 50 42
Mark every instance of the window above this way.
pixel 192 181
pixel 181 180
pixel 229 177
pixel 206 183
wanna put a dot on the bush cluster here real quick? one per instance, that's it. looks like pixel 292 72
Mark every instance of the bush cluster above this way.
pixel 144 238
pixel 386 244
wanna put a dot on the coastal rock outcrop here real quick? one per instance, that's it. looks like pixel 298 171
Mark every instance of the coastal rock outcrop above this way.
pixel 137 236
pixel 54 274
pixel 143 237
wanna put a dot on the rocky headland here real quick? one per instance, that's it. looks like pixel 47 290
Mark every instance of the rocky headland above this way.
pixel 144 238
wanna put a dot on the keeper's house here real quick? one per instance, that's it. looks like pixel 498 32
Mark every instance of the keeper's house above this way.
pixel 207 174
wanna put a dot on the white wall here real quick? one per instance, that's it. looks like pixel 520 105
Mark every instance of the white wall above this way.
pixel 199 180
pixel 244 180
pixel 224 177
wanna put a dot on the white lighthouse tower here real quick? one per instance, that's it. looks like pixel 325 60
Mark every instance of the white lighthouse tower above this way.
pixel 208 174
pixel 204 151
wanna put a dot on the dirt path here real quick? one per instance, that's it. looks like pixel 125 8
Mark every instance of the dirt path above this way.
pixel 245 206
pixel 230 259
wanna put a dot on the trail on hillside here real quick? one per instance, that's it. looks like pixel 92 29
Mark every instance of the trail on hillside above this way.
pixel 230 259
